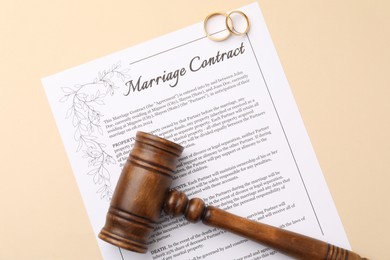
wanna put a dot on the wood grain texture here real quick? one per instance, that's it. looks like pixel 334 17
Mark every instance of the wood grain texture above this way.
pixel 140 193
pixel 143 191
pixel 287 242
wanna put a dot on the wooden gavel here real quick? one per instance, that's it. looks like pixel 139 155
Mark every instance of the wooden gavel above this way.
pixel 143 191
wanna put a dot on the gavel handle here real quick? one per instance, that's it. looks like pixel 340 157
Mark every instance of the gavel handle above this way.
pixel 287 242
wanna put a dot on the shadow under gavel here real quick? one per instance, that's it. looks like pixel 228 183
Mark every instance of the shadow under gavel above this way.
pixel 143 191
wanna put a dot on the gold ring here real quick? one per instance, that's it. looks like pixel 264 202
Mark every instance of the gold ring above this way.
pixel 230 25
pixel 228 22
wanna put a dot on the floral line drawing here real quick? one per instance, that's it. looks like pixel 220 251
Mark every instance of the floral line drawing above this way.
pixel 86 120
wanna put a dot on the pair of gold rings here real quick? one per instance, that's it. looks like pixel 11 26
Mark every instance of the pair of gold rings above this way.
pixel 228 23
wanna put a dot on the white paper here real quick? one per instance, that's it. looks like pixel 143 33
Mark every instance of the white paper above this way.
pixel 246 148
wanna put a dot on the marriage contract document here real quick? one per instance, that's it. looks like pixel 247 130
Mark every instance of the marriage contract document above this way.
pixel 229 104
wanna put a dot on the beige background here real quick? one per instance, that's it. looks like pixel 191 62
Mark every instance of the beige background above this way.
pixel 336 57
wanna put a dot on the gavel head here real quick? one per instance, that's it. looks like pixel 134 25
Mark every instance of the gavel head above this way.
pixel 140 192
